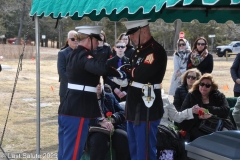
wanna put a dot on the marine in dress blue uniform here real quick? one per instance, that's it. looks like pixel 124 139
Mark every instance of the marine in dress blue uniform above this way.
pixel 80 103
pixel 148 65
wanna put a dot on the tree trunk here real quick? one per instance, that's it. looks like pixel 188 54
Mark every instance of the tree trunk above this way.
pixel 177 26
pixel 21 23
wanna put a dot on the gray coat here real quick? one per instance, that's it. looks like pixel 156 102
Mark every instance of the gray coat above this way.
pixel 235 72
pixel 61 66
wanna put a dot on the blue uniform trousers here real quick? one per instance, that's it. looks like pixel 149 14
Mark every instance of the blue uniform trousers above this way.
pixel 72 135
pixel 137 140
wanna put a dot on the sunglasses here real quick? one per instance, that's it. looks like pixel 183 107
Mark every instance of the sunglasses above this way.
pixel 192 77
pixel 120 46
pixel 72 39
pixel 206 85
pixel 201 44
pixel 181 44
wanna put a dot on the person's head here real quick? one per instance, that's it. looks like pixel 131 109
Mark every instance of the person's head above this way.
pixel 89 36
pixel 200 44
pixel 107 88
pixel 103 36
pixel 182 44
pixel 190 76
pixel 120 48
pixel 125 38
pixel 72 41
pixel 65 45
pixel 205 84
pixel 138 31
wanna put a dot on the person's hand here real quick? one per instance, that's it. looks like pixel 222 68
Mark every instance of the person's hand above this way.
pixel 106 124
pixel 178 74
pixel 195 109
pixel 238 81
pixel 205 116
pixel 119 93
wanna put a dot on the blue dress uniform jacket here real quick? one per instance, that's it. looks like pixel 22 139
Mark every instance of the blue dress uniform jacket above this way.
pixel 83 69
pixel 114 63
pixel 148 66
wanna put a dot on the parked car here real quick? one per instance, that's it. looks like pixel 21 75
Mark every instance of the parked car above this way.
pixel 234 46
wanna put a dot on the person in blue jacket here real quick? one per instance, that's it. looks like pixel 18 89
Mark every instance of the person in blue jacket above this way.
pixel 72 43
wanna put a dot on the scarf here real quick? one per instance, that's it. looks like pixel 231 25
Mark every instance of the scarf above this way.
pixel 183 55
pixel 196 57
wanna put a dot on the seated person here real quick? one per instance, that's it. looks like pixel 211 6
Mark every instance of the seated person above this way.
pixel 188 78
pixel 205 94
pixel 98 142
pixel 117 61
pixel 236 113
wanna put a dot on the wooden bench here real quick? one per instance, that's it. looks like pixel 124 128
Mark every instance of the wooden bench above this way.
pixel 230 53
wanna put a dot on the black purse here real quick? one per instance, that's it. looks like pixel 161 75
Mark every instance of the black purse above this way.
pixel 99 129
pixel 211 125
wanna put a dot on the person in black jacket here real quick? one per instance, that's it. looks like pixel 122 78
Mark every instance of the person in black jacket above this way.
pixel 117 61
pixel 103 51
pixel 188 78
pixel 200 58
pixel 129 47
pixel 204 94
pixel 235 73
pixel 80 103
pixel 98 142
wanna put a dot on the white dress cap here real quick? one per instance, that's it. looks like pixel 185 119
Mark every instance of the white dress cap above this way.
pixel 89 29
pixel 137 23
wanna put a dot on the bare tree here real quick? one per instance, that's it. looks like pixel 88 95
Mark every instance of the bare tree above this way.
pixel 21 22
pixel 177 26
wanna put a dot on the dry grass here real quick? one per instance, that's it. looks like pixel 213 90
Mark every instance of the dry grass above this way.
pixel 20 135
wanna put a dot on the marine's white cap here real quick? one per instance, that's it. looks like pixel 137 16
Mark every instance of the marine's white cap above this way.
pixel 133 26
pixel 93 31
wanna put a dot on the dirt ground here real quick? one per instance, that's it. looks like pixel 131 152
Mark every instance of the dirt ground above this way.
pixel 20 132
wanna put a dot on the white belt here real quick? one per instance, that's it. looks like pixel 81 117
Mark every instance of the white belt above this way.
pixel 82 87
pixel 140 85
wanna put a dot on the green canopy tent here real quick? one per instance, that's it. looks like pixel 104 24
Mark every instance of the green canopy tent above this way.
pixel 168 10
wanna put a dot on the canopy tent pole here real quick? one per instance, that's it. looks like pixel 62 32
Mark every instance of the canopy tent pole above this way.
pixel 115 26
pixel 37 40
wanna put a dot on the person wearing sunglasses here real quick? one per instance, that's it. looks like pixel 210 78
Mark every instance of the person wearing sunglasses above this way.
pixel 204 94
pixel 188 78
pixel 200 58
pixel 180 58
pixel 117 61
pixel 80 103
pixel 129 47
pixel 70 45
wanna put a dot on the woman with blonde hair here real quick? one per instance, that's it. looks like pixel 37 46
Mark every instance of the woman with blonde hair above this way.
pixel 188 78
pixel 204 94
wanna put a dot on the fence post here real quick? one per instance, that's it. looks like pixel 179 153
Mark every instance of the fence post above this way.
pixel 226 55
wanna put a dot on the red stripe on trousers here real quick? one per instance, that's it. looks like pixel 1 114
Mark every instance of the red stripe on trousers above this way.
pixel 78 139
pixel 147 145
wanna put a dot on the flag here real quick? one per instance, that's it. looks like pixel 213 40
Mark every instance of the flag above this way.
pixel 52 88
pixel 225 88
